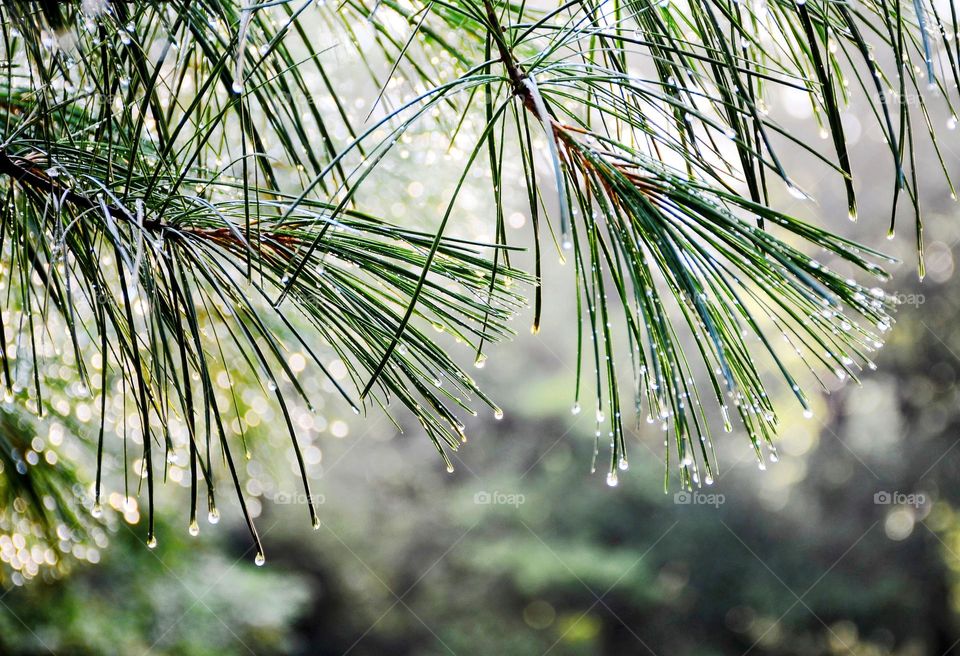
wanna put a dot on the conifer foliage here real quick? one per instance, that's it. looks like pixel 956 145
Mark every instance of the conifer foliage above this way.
pixel 191 211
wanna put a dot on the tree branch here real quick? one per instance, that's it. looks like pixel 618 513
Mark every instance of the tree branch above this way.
pixel 29 177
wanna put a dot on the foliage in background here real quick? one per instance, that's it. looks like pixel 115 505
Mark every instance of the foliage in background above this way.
pixel 199 600
pixel 521 578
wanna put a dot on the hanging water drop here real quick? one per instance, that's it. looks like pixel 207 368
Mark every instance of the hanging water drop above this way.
pixel 241 48
pixel 194 528
pixel 623 464
pixel 480 361
pixel 213 516
pixel 727 426
pixel 152 542
pixel 259 559
pixel 612 479
pixel 97 510
pixel 316 523
pixel 497 414
pixel 575 410
pixel 796 192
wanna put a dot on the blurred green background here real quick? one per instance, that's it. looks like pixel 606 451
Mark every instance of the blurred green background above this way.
pixel 848 545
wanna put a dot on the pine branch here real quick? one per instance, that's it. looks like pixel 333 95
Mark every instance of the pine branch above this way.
pixel 166 239
pixel 29 174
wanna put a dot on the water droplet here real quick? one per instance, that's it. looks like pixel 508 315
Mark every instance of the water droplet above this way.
pixel 97 511
pixel 708 479
pixel 316 523
pixel 259 559
pixel 762 465
pixel 623 464
pixel 952 123
pixel 612 479
pixel 450 468
pixel 213 516
pixel 727 426
pixel 575 410
pixel 152 542
pixel 807 413
pixel 194 528
pixel 480 361
pixel 796 192
pixel 497 414
pixel 272 386
pixel 237 86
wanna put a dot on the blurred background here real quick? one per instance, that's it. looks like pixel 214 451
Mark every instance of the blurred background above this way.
pixel 850 544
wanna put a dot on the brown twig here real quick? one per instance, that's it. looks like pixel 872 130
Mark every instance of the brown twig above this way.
pixel 28 174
